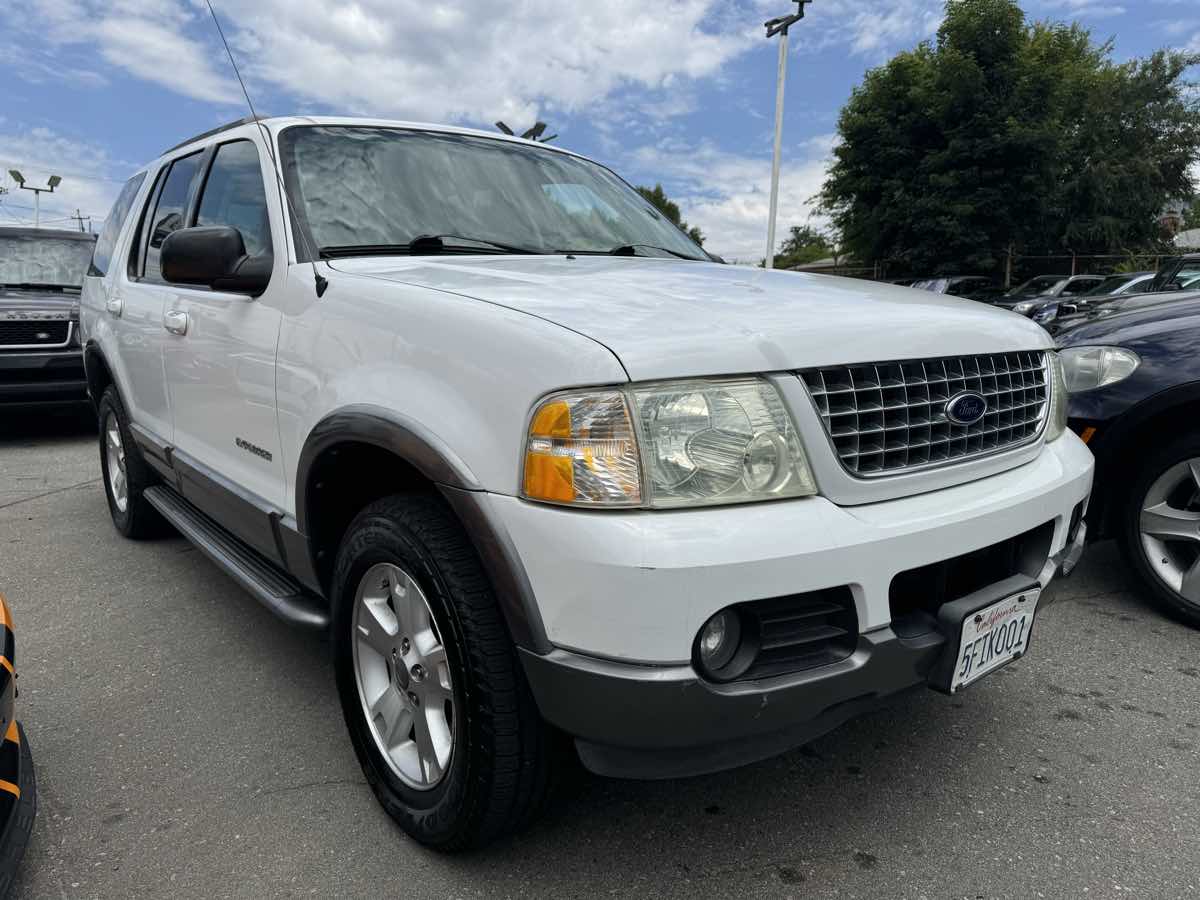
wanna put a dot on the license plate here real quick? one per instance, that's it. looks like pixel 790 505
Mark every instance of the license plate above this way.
pixel 993 637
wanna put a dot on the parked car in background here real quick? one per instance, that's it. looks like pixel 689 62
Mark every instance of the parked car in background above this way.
pixel 1051 309
pixel 1176 273
pixel 955 285
pixel 1030 296
pixel 1134 380
pixel 41 360
pixel 18 785
pixel 1118 305
pixel 478 409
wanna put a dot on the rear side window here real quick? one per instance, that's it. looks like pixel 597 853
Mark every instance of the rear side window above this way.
pixel 234 195
pixel 169 211
pixel 107 242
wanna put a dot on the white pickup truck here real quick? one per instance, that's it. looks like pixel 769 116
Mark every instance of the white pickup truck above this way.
pixel 547 470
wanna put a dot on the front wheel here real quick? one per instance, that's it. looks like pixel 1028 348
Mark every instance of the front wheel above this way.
pixel 438 710
pixel 1161 529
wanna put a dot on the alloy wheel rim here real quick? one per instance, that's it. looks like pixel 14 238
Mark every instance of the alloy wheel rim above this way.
pixel 403 676
pixel 118 479
pixel 1170 528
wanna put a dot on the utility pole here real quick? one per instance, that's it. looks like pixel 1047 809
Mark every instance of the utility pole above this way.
pixel 779 26
pixel 53 182
pixel 79 217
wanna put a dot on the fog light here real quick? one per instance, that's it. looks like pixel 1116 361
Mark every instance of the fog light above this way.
pixel 718 641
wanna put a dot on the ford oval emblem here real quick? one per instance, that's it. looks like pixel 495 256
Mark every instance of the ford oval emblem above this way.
pixel 966 408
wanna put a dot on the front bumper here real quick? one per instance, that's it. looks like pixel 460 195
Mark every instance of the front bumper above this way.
pixel 622 597
pixel 664 722
pixel 37 379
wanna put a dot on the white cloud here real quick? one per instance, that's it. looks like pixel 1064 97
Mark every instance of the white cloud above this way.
pixel 869 28
pixel 482 61
pixel 39 153
pixel 144 37
pixel 728 195
pixel 1098 9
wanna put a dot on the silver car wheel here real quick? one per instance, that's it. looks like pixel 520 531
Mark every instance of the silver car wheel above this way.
pixel 403 676
pixel 1170 528
pixel 118 480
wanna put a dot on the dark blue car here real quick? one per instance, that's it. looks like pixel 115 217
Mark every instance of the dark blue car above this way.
pixel 1135 383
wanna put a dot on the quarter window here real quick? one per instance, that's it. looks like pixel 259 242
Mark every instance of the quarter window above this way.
pixel 234 195
pixel 107 242
pixel 169 210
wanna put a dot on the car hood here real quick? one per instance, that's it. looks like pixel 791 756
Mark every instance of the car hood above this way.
pixel 23 300
pixel 675 318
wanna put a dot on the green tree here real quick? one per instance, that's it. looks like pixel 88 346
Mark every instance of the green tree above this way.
pixel 1004 133
pixel 658 198
pixel 803 245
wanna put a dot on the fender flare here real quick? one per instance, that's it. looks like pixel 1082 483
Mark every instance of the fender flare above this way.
pixel 436 461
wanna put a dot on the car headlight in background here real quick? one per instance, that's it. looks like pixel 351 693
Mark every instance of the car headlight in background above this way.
pixel 684 443
pixel 1024 307
pixel 1088 368
pixel 1056 421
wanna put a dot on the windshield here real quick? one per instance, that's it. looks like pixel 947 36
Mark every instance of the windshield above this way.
pixel 42 259
pixel 1038 285
pixel 379 188
pixel 1109 285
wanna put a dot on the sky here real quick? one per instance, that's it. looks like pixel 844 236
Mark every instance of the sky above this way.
pixel 680 92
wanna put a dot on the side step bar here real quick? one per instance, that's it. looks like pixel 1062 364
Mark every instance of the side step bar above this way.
pixel 271 586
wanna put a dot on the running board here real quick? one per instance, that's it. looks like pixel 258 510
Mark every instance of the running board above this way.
pixel 264 580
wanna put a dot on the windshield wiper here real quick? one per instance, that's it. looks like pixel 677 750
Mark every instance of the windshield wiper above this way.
pixel 420 245
pixel 631 250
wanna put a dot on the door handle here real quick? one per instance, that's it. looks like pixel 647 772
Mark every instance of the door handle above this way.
pixel 176 321
pixel 115 306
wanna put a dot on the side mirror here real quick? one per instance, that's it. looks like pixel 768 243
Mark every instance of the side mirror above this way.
pixel 214 256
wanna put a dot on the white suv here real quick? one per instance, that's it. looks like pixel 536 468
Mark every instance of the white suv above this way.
pixel 545 468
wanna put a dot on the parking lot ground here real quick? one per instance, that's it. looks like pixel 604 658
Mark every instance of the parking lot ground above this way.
pixel 188 744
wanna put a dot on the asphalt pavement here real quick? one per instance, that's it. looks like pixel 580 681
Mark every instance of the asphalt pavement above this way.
pixel 188 744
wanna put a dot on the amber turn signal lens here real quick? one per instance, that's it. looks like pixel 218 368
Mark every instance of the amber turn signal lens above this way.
pixel 581 451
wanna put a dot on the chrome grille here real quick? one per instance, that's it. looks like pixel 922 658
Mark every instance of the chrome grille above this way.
pixel 887 418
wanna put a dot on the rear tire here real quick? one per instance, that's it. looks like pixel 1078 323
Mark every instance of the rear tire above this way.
pixel 126 473
pixel 408 569
pixel 1160 527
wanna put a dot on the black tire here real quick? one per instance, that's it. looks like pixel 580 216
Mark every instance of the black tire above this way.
pixel 498 776
pixel 1154 465
pixel 139 519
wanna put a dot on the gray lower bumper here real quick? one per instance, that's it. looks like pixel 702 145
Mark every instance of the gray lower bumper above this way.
pixel 649 722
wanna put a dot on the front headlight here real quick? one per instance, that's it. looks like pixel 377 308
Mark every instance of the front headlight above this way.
pixel 1024 307
pixel 685 443
pixel 1088 368
pixel 1056 420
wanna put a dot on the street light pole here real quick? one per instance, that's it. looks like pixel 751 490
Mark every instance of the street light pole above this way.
pixel 54 182
pixel 779 27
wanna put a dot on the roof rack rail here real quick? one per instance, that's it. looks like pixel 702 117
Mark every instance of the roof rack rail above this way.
pixel 245 120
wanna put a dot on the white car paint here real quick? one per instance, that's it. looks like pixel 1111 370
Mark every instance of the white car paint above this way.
pixel 466 346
